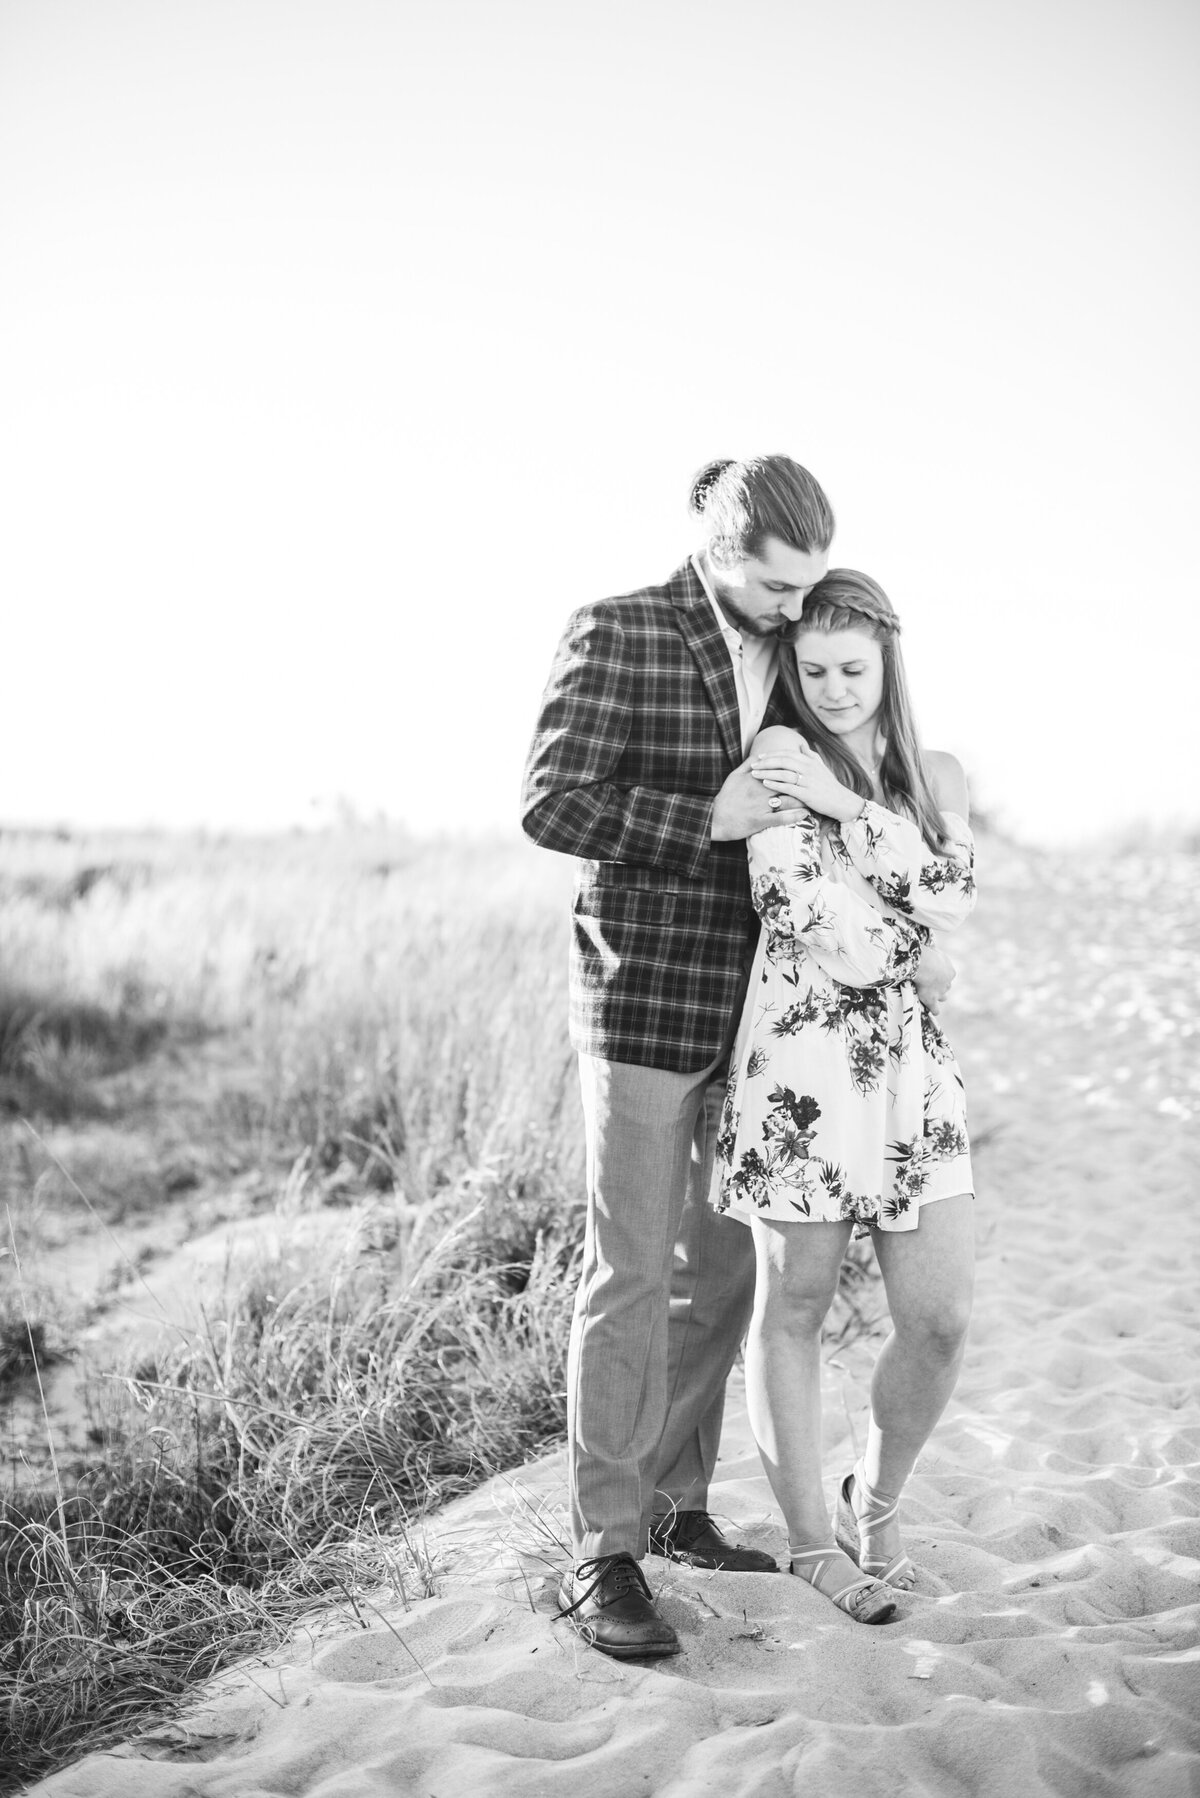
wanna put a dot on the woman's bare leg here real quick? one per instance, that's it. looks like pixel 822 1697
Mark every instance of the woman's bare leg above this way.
pixel 796 1280
pixel 928 1274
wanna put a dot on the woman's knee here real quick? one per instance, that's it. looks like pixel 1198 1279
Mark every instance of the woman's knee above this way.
pixel 798 1268
pixel 795 1310
pixel 938 1334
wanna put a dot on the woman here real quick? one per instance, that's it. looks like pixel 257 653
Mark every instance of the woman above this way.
pixel 845 1110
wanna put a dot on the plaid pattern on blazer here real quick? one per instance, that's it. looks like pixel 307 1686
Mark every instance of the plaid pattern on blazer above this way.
pixel 638 729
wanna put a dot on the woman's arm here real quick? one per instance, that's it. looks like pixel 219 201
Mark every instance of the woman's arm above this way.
pixel 949 783
pixel 804 912
pixel 889 850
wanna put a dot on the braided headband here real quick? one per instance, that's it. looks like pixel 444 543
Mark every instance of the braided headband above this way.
pixel 887 622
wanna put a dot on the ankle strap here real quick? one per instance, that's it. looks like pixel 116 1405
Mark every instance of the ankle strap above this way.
pixel 876 1498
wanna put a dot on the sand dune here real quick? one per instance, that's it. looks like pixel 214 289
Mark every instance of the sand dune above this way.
pixel 1052 1644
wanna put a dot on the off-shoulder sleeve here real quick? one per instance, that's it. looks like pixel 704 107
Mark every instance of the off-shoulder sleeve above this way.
pixel 935 890
pixel 804 912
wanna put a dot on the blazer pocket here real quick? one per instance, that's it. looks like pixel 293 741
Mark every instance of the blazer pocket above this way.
pixel 634 875
pixel 616 904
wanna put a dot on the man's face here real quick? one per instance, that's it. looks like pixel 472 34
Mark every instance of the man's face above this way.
pixel 764 594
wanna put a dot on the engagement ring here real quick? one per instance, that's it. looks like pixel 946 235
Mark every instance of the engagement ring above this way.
pixel 775 801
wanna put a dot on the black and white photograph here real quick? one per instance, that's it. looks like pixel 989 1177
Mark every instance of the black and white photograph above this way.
pixel 599 899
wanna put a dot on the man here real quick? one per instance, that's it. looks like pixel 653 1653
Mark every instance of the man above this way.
pixel 638 766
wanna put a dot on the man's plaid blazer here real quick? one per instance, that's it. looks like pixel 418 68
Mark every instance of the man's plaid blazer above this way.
pixel 638 730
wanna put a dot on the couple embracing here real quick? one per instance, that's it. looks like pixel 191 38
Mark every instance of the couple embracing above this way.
pixel 766 854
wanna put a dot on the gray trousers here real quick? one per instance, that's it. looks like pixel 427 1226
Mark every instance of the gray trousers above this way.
pixel 664 1300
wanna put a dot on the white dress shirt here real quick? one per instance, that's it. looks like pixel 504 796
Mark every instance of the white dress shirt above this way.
pixel 753 660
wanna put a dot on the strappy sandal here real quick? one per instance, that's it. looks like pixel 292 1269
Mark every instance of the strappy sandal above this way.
pixel 865 1600
pixel 851 1525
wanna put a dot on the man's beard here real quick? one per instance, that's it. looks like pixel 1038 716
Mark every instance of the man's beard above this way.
pixel 750 627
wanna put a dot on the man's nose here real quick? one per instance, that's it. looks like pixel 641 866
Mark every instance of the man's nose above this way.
pixel 792 608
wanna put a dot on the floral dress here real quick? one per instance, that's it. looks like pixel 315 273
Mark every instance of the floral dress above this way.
pixel 845 1102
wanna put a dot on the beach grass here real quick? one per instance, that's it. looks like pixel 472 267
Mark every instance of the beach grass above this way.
pixel 391 1058
pixel 280 1458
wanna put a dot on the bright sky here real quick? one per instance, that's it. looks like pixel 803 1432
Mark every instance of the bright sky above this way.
pixel 346 345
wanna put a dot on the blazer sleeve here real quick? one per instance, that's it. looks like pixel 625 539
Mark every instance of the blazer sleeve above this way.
pixel 804 912
pixel 935 890
pixel 570 799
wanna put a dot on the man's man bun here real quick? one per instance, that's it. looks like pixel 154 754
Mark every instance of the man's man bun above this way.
pixel 703 484
pixel 741 504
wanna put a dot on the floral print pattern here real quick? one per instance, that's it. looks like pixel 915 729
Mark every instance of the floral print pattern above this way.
pixel 844 1099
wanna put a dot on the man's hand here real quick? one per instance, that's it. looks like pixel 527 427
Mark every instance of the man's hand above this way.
pixel 934 976
pixel 743 806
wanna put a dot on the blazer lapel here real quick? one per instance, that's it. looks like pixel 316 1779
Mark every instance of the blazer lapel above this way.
pixel 702 634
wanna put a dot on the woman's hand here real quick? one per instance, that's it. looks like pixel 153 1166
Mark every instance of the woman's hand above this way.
pixel 803 776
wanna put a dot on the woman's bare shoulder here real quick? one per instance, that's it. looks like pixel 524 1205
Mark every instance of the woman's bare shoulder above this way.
pixel 948 781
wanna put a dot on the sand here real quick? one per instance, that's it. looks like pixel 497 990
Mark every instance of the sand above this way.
pixel 1052 1644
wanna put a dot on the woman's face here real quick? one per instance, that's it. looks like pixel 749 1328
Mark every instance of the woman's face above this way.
pixel 841 677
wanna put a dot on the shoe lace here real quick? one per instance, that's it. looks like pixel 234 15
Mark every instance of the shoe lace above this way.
pixel 621 1570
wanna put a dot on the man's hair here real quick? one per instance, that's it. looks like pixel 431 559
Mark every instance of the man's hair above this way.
pixel 741 504
pixel 849 601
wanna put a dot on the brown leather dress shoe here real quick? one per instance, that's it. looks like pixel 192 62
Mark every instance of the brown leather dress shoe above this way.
pixel 693 1537
pixel 608 1603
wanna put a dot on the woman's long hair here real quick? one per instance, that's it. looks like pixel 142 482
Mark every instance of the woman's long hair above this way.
pixel 848 601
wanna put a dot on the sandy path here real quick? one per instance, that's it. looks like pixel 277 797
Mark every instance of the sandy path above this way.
pixel 1052 1646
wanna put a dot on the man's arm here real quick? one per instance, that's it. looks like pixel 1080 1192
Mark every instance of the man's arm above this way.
pixel 934 976
pixel 569 801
